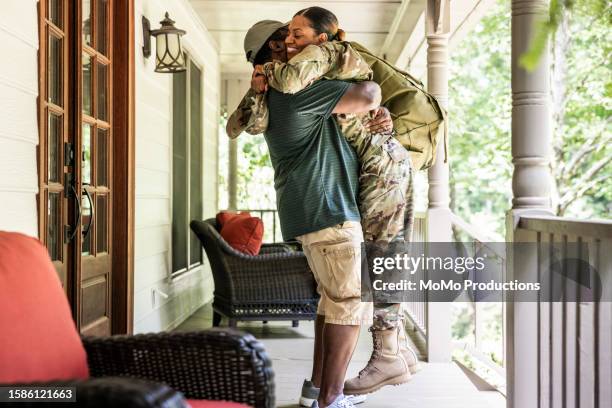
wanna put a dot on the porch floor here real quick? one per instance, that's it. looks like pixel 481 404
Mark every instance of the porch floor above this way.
pixel 437 385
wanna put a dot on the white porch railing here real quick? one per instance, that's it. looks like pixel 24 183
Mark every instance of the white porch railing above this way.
pixel 416 306
pixel 558 353
pixel 485 349
pixel 479 350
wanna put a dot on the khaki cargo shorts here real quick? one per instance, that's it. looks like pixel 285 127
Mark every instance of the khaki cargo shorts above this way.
pixel 334 255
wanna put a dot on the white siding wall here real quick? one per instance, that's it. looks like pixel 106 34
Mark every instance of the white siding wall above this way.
pixel 154 171
pixel 18 121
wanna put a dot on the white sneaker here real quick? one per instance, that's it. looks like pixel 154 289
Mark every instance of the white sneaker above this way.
pixel 341 401
pixel 310 393
pixel 357 399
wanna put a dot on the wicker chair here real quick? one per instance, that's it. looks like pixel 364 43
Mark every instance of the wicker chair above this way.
pixel 275 285
pixel 40 346
pixel 214 364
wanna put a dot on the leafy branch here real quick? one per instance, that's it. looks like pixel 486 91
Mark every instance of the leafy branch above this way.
pixel 546 28
pixel 569 168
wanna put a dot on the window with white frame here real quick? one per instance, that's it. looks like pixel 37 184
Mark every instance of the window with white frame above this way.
pixel 186 166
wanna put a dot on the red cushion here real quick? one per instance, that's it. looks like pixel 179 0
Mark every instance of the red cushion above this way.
pixel 38 338
pixel 243 233
pixel 225 216
pixel 214 404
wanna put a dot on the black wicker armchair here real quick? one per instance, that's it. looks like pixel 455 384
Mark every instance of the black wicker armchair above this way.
pixel 172 370
pixel 275 285
pixel 40 347
pixel 215 364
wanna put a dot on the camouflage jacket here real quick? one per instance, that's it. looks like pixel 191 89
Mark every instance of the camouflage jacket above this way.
pixel 330 60
pixel 251 116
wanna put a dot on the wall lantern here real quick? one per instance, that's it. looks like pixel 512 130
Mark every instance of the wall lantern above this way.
pixel 169 53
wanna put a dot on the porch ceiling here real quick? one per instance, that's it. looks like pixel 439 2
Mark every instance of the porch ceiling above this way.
pixel 394 29
pixel 380 25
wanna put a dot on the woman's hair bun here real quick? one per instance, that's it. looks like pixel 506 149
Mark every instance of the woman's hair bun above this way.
pixel 340 35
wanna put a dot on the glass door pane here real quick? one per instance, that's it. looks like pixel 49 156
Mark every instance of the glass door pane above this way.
pixel 87 210
pixel 54 227
pixel 86 22
pixel 102 91
pixel 102 224
pixel 86 154
pixel 102 26
pixel 54 12
pixel 102 157
pixel 55 136
pixel 87 78
pixel 87 220
pixel 54 70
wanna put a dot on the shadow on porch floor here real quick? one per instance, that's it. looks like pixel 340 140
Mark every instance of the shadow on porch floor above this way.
pixel 435 386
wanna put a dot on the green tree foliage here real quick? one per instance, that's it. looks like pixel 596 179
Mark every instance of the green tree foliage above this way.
pixel 255 174
pixel 557 12
pixel 480 112
pixel 581 101
pixel 255 187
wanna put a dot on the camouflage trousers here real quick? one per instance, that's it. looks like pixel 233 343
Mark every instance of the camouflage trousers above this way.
pixel 387 215
pixel 387 316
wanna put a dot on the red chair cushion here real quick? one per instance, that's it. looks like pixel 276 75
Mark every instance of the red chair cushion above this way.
pixel 242 232
pixel 38 338
pixel 225 216
pixel 214 404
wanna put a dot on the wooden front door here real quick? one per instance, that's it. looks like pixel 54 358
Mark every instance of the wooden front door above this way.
pixel 94 134
pixel 75 207
pixel 54 158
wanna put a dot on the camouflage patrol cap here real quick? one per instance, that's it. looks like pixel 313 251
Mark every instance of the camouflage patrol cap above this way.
pixel 257 36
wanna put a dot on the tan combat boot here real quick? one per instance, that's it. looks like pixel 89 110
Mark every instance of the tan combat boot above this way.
pixel 386 366
pixel 407 352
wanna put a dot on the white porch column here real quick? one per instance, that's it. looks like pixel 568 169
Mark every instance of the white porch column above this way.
pixel 437 28
pixel 235 88
pixel 531 131
pixel 531 188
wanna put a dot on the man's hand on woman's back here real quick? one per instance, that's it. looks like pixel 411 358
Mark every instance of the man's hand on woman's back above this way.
pixel 380 121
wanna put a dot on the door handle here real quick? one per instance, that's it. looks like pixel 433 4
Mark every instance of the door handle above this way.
pixel 79 213
pixel 93 212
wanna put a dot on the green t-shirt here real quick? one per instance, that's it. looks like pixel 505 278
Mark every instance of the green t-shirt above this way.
pixel 315 169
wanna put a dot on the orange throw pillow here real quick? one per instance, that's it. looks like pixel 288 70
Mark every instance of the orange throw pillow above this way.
pixel 242 232
pixel 225 216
